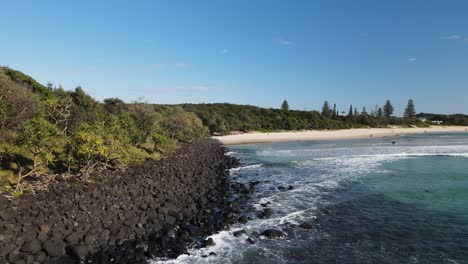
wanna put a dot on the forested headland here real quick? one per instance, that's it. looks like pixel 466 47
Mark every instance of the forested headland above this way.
pixel 47 132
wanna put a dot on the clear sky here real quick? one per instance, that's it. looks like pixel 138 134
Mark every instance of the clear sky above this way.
pixel 247 51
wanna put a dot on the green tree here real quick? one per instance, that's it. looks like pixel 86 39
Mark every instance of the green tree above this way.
pixel 89 146
pixel 115 106
pixel 146 120
pixel 184 126
pixel 380 112
pixel 326 111
pixel 335 113
pixel 388 109
pixel 355 112
pixel 350 113
pixel 364 111
pixel 410 110
pixel 58 110
pixel 285 106
pixel 41 140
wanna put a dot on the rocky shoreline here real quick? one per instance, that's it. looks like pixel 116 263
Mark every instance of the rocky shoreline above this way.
pixel 157 209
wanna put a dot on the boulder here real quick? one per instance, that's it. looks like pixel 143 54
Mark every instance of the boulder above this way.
pixel 32 247
pixel 274 234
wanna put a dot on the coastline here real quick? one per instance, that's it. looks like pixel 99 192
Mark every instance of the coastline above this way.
pixel 154 210
pixel 342 134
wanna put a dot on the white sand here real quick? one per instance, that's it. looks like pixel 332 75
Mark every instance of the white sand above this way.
pixel 257 137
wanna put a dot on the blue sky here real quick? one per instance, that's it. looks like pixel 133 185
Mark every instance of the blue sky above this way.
pixel 245 51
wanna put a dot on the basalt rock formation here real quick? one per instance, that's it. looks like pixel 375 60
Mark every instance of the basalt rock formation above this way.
pixel 157 209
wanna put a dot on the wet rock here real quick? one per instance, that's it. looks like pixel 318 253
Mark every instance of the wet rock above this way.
pixel 243 219
pixel 250 241
pixel 266 213
pixel 208 242
pixel 239 233
pixel 306 226
pixel 274 234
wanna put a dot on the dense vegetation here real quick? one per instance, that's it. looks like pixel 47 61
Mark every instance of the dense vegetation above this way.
pixel 226 118
pixel 47 131
pixel 455 120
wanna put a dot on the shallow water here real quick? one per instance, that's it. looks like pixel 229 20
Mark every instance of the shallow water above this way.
pixel 369 201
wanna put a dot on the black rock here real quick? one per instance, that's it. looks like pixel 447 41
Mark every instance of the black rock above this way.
pixel 250 241
pixel 73 238
pixel 54 248
pixel 306 226
pixel 274 234
pixel 281 188
pixel 208 242
pixel 239 233
pixel 32 246
pixel 78 251
pixel 243 219
pixel 267 212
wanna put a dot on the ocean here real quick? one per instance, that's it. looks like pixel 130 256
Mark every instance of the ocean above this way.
pixel 368 201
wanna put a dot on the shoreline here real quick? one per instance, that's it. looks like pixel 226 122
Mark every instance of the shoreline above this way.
pixel 154 210
pixel 342 134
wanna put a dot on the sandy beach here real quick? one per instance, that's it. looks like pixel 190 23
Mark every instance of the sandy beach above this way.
pixel 257 137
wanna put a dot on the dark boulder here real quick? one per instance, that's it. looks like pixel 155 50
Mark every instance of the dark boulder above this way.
pixel 274 234
pixel 80 252
pixel 306 226
pixel 32 246
pixel 239 233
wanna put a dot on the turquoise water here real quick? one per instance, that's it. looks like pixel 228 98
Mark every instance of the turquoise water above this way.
pixel 369 201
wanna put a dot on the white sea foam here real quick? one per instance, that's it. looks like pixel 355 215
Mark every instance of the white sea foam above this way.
pixel 248 167
pixel 317 174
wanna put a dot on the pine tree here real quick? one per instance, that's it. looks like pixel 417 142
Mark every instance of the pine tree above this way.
pixel 285 106
pixel 350 113
pixel 364 111
pixel 388 109
pixel 380 112
pixel 355 112
pixel 410 111
pixel 326 111
pixel 335 114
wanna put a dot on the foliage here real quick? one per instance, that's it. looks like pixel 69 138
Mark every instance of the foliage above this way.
pixel 285 106
pixel 115 106
pixel 58 110
pixel 84 109
pixel 388 109
pixel 3 111
pixel 456 120
pixel 49 129
pixel 41 139
pixel 17 103
pixel 326 110
pixel 410 110
pixel 89 146
pixel 183 126
pixel 28 81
